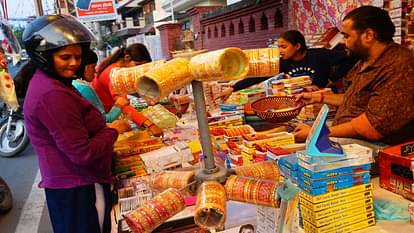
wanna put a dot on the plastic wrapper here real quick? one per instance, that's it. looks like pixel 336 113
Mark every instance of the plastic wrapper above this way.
pixel 263 62
pixel 160 116
pixel 125 80
pixel 390 210
pixel 7 91
pixel 173 179
pixel 155 212
pixel 263 170
pixel 166 78
pixel 224 64
pixel 251 190
pixel 210 210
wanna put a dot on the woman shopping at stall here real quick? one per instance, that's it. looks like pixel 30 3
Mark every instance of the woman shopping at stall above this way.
pixel 71 139
pixel 84 87
pixel 133 55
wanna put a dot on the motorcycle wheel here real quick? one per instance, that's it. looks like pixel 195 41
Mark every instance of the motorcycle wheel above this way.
pixel 20 140
pixel 6 200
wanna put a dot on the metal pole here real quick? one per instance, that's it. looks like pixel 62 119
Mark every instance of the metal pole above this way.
pixel 172 11
pixel 205 139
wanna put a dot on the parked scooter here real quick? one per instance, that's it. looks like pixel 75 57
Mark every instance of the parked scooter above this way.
pixel 13 135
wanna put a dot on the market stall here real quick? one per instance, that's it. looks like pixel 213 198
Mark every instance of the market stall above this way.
pixel 205 163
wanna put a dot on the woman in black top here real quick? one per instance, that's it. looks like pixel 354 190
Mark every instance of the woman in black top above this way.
pixel 298 60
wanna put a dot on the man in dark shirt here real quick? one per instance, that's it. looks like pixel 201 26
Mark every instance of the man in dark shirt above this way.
pixel 379 102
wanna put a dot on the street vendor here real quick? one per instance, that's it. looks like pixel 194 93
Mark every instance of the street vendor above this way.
pixel 298 60
pixel 379 102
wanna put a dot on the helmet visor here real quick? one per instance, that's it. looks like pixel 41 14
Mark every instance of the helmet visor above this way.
pixel 63 32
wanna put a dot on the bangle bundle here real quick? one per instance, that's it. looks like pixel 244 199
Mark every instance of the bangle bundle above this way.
pixel 157 210
pixel 172 179
pixel 125 80
pixel 210 210
pixel 250 190
pixel 262 170
pixel 263 62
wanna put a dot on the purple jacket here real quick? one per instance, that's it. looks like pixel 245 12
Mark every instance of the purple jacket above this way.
pixel 68 133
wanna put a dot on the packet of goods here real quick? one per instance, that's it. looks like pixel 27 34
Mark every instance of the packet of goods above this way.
pixel 160 116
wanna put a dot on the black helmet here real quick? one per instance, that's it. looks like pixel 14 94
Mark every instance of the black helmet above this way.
pixel 48 33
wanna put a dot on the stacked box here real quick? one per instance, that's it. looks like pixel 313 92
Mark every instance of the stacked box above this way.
pixel 288 166
pixel 396 165
pixel 336 193
pixel 346 210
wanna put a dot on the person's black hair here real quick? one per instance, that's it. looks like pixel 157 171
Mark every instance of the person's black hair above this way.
pixel 246 226
pixel 137 52
pixel 22 79
pixel 295 37
pixel 377 19
pixel 90 58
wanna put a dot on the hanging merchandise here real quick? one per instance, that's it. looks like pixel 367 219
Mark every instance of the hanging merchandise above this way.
pixel 210 213
pixel 173 179
pixel 166 78
pixel 251 190
pixel 263 62
pixel 263 170
pixel 224 65
pixel 125 80
pixel 156 211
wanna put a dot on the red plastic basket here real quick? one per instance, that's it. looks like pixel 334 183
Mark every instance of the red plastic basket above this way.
pixel 263 108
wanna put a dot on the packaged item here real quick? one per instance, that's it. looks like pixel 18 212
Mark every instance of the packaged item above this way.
pixel 160 116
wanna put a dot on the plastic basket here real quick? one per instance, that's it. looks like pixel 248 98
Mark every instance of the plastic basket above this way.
pixel 262 107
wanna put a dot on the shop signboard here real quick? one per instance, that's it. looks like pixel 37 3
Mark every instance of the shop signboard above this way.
pixel 95 10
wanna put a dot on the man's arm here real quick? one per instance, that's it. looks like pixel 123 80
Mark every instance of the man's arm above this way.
pixel 319 97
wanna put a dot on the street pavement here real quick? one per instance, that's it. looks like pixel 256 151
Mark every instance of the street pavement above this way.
pixel 20 172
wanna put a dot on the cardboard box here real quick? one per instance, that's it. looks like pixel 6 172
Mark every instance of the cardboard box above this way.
pixel 396 169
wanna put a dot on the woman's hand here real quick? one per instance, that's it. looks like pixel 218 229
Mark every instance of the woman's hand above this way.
pixel 121 102
pixel 226 93
pixel 121 126
pixel 309 97
pixel 155 130
pixel 301 132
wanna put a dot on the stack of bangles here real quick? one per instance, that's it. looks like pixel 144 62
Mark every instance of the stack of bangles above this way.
pixel 238 131
pixel 250 190
pixel 172 179
pixel 124 81
pixel 155 212
pixel 210 210
pixel 262 170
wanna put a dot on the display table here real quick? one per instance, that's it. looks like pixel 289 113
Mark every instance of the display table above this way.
pixel 388 226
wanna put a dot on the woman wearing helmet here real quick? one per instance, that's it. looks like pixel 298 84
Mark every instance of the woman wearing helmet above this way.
pixel 69 135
